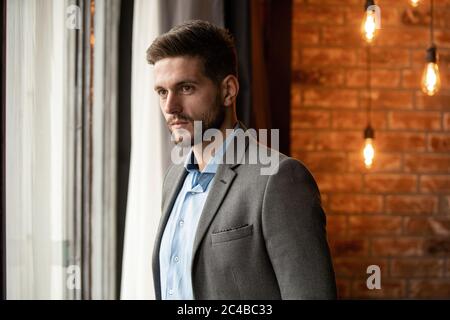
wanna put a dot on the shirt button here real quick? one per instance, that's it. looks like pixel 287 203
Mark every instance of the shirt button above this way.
pixel 181 223
pixel 176 259
pixel 170 291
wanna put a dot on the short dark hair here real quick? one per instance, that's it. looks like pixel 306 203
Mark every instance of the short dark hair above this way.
pixel 196 38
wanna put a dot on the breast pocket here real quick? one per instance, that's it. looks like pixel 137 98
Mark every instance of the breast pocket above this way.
pixel 232 234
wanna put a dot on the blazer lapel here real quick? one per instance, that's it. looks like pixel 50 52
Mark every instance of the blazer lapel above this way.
pixel 222 182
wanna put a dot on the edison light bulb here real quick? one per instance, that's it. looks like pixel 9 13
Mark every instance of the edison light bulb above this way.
pixel 369 153
pixel 431 81
pixel 414 3
pixel 369 25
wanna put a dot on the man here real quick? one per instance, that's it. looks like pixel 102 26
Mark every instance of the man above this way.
pixel 228 231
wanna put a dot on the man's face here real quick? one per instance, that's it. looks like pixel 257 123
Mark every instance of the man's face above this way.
pixel 187 95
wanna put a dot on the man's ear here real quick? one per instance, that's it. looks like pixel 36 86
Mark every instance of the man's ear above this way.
pixel 230 89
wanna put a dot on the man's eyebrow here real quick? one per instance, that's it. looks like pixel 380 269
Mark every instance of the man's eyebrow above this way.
pixel 178 84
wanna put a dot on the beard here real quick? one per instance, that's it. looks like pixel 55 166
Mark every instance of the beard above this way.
pixel 211 119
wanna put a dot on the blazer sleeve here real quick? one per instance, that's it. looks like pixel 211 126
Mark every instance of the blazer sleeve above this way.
pixel 293 223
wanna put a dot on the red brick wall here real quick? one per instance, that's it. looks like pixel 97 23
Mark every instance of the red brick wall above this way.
pixel 397 214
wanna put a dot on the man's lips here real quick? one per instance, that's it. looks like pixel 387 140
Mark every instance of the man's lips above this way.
pixel 179 124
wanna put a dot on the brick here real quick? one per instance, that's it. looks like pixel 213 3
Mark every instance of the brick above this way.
pixel 357 119
pixel 413 267
pixel 383 57
pixel 296 96
pixel 390 289
pixel 411 205
pixel 438 246
pixel 404 37
pixel 400 142
pixel 444 205
pixel 411 120
pixel 440 101
pixel 429 288
pixel 388 99
pixel 390 183
pixel 336 225
pixel 340 3
pixel 329 57
pixel 352 247
pixel 305 35
pixel 447 121
pixel 420 16
pixel 382 162
pixel 356 267
pixel 329 182
pixel 411 78
pixel 398 246
pixel 303 140
pixel 435 183
pixel 313 15
pixel 374 225
pixel 427 163
pixel 439 142
pixel 340 36
pixel 340 141
pixel 310 119
pixel 447 269
pixel 324 161
pixel 381 78
pixel 354 203
pixel 329 77
pixel 428 226
pixel 330 98
pixel 442 38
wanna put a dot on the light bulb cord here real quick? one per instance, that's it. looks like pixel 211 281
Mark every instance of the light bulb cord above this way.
pixel 432 22
pixel 369 88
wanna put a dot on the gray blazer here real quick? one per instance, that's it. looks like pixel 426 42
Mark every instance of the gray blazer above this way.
pixel 259 236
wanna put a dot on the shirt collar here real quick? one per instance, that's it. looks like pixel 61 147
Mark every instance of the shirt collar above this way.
pixel 191 164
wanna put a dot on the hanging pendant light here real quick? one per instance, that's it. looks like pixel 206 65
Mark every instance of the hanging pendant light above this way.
pixel 414 3
pixel 369 132
pixel 371 21
pixel 431 80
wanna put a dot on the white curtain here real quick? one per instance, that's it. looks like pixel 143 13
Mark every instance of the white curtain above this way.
pixel 146 167
pixel 35 152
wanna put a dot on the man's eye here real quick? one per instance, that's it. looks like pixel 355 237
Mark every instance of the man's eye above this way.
pixel 187 89
pixel 162 93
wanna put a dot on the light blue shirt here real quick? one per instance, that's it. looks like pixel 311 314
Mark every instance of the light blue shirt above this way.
pixel 175 255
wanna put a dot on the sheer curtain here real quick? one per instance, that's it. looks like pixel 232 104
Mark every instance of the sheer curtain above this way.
pixel 61 149
pixel 35 150
pixel 146 167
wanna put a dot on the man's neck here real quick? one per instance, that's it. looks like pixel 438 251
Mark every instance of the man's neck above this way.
pixel 204 157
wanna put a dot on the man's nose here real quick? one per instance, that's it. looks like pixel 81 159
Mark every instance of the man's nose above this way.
pixel 172 104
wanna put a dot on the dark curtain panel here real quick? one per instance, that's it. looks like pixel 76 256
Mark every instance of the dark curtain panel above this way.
pixel 278 63
pixel 124 127
pixel 237 20
pixel 262 30
pixel 174 12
